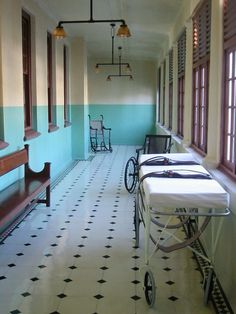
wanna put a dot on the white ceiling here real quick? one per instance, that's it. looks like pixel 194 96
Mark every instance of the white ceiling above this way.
pixel 149 22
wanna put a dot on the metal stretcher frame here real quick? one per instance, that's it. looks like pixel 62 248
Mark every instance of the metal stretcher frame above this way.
pixel 147 206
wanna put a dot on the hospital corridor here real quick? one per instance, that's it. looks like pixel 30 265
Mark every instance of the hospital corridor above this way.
pixel 117 156
pixel 78 256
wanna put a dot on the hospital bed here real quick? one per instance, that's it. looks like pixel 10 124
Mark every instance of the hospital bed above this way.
pixel 172 189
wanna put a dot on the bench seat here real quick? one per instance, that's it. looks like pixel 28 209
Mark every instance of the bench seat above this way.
pixel 24 193
pixel 18 195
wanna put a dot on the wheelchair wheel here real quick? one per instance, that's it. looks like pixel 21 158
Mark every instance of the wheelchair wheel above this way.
pixel 149 288
pixel 130 174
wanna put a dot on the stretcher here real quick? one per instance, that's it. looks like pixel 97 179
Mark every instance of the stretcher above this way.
pixel 172 189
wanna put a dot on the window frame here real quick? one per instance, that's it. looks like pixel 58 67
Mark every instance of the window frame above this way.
pixel 201 62
pixel 30 133
pixel 171 59
pixel 50 85
pixel 228 130
pixel 159 96
pixel 200 107
pixel 181 83
pixel 27 76
pixel 180 113
pixel 164 91
pixel 66 87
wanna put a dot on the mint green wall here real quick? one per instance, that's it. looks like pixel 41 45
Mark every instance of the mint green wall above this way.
pixel 54 147
pixel 80 131
pixel 129 123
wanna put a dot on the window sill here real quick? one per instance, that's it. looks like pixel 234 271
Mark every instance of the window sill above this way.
pixel 67 123
pixel 52 128
pixel 3 144
pixel 30 134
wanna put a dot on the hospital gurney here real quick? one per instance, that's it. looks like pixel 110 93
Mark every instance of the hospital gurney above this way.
pixel 168 195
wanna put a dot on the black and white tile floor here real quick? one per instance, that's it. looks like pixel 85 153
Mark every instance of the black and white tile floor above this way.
pixel 78 256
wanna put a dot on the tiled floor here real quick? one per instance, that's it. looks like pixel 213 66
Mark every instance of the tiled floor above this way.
pixel 78 256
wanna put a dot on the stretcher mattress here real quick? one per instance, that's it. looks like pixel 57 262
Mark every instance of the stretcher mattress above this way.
pixel 174 156
pixel 182 192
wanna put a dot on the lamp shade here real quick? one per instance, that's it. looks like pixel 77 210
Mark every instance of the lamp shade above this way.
pixel 123 31
pixel 59 32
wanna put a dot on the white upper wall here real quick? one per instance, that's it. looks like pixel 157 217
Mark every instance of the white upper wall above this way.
pixel 11 53
pixel 120 90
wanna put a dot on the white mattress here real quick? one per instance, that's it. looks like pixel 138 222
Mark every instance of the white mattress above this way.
pixel 176 156
pixel 181 192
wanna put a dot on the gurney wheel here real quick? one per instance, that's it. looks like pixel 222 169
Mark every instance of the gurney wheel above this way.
pixel 208 286
pixel 149 288
pixel 130 174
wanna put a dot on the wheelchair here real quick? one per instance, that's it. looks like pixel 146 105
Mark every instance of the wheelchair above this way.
pixel 100 136
pixel 153 144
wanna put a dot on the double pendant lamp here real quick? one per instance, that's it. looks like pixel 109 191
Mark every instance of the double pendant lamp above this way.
pixel 120 69
pixel 123 30
pixel 120 64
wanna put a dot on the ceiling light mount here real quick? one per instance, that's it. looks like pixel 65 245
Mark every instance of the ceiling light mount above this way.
pixel 98 65
pixel 123 31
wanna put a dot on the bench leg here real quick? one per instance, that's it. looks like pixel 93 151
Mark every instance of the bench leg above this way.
pixel 48 196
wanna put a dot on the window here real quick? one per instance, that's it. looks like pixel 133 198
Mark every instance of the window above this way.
pixel 181 81
pixel 26 53
pixel 201 56
pixel 51 109
pixel 200 95
pixel 228 139
pixel 159 98
pixel 66 102
pixel 27 78
pixel 49 80
pixel 170 88
pixel 163 95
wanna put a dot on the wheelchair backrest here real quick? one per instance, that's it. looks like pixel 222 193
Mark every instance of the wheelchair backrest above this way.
pixel 157 144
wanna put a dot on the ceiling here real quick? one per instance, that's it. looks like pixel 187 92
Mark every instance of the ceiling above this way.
pixel 149 22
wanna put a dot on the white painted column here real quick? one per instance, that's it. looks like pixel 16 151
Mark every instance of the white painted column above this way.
pixel 79 98
pixel 188 85
pixel 215 85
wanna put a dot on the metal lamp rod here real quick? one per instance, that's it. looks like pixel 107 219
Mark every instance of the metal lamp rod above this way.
pixel 91 20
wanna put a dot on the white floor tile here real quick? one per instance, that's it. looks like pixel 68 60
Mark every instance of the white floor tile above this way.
pixel 78 256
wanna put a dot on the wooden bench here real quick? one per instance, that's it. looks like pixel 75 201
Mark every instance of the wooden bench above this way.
pixel 23 194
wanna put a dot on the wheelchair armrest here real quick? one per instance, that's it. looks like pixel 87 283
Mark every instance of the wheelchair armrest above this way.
pixel 91 128
pixel 138 151
pixel 108 129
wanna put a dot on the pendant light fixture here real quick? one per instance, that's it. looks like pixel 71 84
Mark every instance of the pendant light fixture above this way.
pixel 109 77
pixel 123 31
pixel 126 64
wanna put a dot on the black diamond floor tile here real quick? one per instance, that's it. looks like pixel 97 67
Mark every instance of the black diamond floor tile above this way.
pixel 135 297
pixel 62 295
pixel 98 296
pixel 173 298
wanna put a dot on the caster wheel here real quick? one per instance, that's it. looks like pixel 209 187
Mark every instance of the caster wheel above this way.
pixel 149 288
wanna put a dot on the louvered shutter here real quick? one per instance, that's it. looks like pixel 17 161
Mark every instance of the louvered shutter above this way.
pixel 229 19
pixel 171 66
pixel 202 31
pixel 181 53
